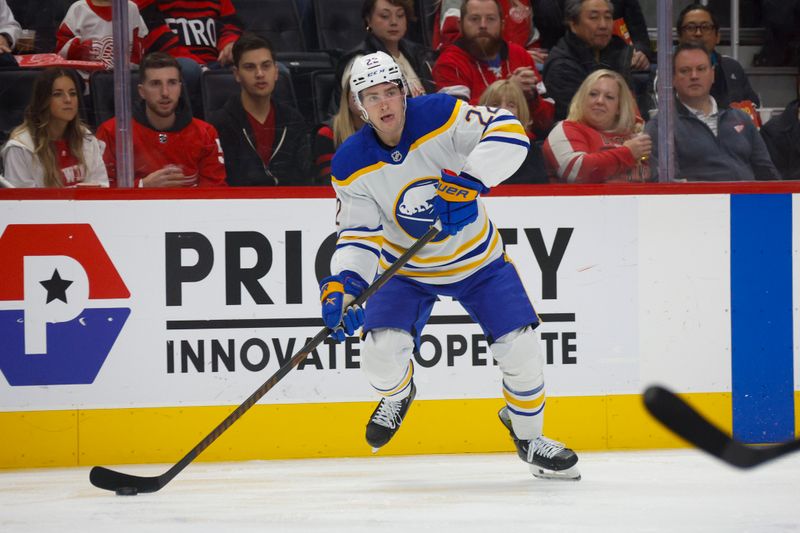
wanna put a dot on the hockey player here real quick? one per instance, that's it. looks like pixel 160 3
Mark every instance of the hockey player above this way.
pixel 387 197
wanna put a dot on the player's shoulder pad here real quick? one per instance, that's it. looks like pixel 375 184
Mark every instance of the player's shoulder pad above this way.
pixel 354 155
pixel 429 113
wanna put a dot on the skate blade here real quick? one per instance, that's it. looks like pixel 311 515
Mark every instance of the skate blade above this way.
pixel 375 450
pixel 570 474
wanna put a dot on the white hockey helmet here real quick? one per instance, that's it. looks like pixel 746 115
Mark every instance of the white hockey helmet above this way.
pixel 370 70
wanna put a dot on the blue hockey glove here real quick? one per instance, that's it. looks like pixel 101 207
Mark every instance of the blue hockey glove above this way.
pixel 336 294
pixel 455 203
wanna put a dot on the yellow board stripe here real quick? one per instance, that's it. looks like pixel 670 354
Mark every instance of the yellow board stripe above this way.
pixel 164 434
pixel 523 404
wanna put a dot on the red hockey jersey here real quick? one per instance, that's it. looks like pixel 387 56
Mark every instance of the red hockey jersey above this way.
pixel 577 153
pixel 199 29
pixel 192 144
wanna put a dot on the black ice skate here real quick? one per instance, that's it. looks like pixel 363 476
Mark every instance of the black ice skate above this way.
pixel 547 459
pixel 386 419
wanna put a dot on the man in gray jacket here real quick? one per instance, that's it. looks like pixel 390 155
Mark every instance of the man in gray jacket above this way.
pixel 712 143
pixel 9 28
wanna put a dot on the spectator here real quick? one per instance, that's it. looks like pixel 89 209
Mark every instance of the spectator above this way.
pixel 507 95
pixel 9 28
pixel 52 147
pixel 535 25
pixel 629 13
pixel 87 33
pixel 600 141
pixel 200 34
pixel 170 147
pixel 712 143
pixel 386 22
pixel 781 134
pixel 333 132
pixel 265 141
pixel 697 24
pixel 781 19
pixel 588 45
pixel 467 67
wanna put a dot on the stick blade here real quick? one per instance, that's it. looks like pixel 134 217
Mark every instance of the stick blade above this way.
pixel 107 479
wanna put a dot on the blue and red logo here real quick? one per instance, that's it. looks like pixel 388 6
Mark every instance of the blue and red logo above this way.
pixel 62 304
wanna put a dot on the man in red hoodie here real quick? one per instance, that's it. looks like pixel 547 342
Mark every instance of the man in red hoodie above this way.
pixel 468 66
pixel 170 147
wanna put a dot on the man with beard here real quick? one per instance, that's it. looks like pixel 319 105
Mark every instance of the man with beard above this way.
pixel 480 57
pixel 266 142
pixel 588 45
pixel 170 147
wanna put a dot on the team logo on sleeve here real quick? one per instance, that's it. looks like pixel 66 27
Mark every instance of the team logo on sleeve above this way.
pixel 413 209
pixel 62 304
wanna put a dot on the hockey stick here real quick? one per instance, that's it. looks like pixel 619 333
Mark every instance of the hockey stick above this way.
pixel 687 423
pixel 127 484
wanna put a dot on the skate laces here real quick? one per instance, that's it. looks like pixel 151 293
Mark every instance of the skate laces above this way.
pixel 388 414
pixel 544 447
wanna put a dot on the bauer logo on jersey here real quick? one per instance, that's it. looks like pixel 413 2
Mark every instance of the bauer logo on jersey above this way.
pixel 62 304
pixel 414 207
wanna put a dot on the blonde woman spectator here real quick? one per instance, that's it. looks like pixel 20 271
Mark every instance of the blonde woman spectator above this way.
pixel 52 147
pixel 507 95
pixel 601 139
pixel 333 132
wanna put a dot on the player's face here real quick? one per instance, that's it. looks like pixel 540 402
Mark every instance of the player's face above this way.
pixel 601 107
pixel 257 73
pixel 697 27
pixel 161 90
pixel 482 26
pixel 595 24
pixel 64 100
pixel 385 107
pixel 693 75
pixel 387 22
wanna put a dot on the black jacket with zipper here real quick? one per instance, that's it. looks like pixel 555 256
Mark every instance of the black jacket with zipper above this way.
pixel 291 150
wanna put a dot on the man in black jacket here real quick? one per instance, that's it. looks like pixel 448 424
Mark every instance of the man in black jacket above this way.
pixel 588 45
pixel 697 24
pixel 265 141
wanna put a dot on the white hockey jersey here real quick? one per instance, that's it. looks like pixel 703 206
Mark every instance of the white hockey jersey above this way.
pixel 384 195
pixel 85 21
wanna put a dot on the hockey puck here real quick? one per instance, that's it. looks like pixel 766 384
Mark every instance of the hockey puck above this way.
pixel 127 491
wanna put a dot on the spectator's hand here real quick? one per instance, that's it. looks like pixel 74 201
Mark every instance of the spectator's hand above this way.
pixel 639 61
pixel 226 56
pixel 539 55
pixel 640 146
pixel 527 79
pixel 81 50
pixel 5 46
pixel 169 176
pixel 417 91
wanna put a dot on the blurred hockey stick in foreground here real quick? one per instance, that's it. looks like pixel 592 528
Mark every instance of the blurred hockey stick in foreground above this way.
pixel 129 485
pixel 688 424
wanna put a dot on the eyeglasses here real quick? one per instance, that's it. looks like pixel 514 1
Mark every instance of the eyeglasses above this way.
pixel 705 27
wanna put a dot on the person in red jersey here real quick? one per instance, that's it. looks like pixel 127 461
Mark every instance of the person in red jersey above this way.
pixel 171 148
pixel 200 34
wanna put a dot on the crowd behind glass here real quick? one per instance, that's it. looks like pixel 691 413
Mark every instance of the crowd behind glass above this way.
pixel 213 106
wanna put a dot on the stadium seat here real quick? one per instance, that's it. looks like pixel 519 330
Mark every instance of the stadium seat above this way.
pixel 16 88
pixel 321 89
pixel 218 86
pixel 339 24
pixel 277 20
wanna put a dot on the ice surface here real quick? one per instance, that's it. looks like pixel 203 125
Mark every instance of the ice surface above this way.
pixel 675 491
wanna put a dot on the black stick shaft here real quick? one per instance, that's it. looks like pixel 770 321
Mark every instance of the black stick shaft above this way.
pixel 111 480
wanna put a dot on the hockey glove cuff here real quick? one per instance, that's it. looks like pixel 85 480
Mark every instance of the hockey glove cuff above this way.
pixel 336 294
pixel 455 203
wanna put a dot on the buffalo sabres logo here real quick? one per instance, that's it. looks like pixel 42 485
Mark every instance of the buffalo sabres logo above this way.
pixel 397 156
pixel 413 209
pixel 162 138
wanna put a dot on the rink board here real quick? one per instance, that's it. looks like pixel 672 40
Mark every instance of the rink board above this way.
pixel 178 310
